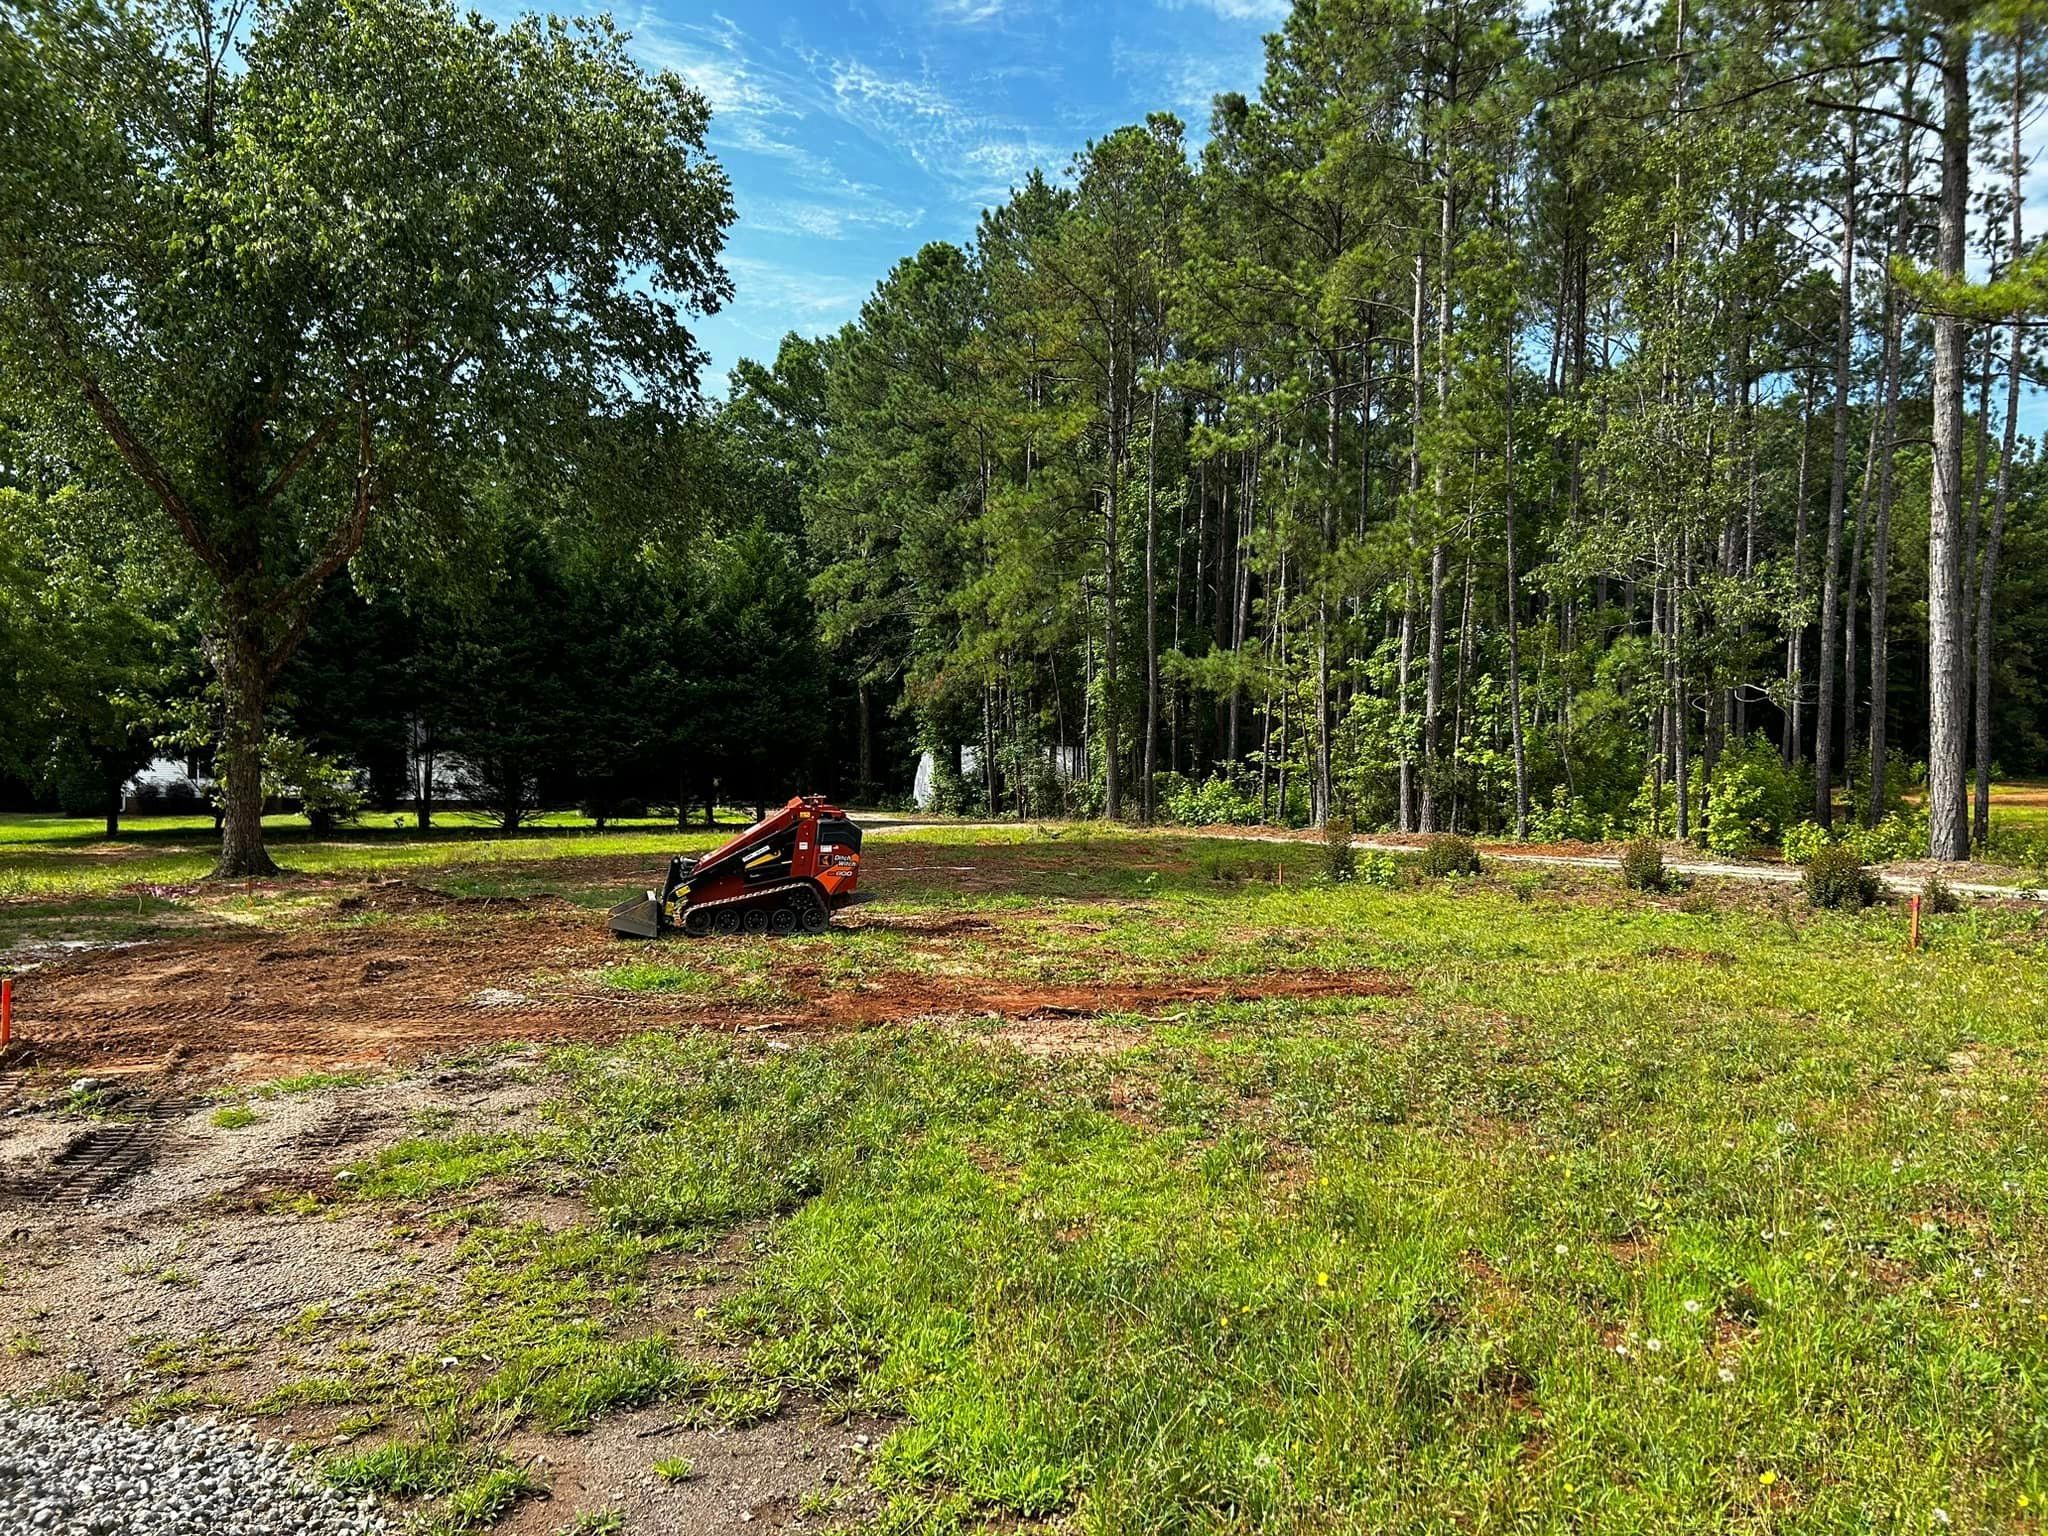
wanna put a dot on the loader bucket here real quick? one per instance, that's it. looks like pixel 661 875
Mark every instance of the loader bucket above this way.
pixel 639 918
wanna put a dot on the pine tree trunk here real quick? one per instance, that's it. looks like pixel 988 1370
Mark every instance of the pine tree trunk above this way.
pixel 1838 485
pixel 1433 700
pixel 1145 797
pixel 1795 633
pixel 1405 665
pixel 1112 746
pixel 1851 574
pixel 1987 580
pixel 1433 687
pixel 1881 530
pixel 1948 680
pixel 864 751
pixel 1681 710
pixel 1514 600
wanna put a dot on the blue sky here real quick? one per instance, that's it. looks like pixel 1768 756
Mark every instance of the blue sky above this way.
pixel 856 130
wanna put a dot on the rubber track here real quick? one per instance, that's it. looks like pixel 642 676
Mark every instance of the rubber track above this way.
pixel 95 1164
pixel 755 900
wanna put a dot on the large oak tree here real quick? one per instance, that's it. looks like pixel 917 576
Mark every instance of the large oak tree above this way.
pixel 283 268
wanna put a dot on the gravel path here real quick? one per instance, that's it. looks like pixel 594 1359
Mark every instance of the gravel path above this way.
pixel 67 1472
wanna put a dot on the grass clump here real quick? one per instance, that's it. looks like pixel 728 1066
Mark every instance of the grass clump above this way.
pixel 1642 864
pixel 1938 898
pixel 1449 853
pixel 1835 877
pixel 234 1117
pixel 655 976
pixel 311 1082
pixel 675 1469
pixel 488 1497
pixel 405 1469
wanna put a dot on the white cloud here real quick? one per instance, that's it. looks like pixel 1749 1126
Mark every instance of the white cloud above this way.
pixel 813 297
pixel 856 207
pixel 1236 10
pixel 1186 82
pixel 966 13
pixel 977 155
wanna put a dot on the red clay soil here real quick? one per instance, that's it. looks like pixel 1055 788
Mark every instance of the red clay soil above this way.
pixel 246 1004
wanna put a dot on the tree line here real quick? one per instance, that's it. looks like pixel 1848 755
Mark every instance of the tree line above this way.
pixel 1544 422
pixel 1550 421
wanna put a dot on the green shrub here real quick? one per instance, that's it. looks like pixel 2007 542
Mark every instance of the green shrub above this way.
pixel 1449 854
pixel 1215 802
pixel 1752 798
pixel 1901 835
pixel 1642 864
pixel 1835 877
pixel 1938 897
pixel 1377 867
pixel 1802 840
pixel 1567 819
pixel 1340 859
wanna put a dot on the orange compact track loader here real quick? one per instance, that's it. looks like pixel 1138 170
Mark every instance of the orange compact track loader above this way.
pixel 784 874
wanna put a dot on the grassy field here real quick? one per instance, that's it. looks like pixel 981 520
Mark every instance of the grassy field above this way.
pixel 1584 1210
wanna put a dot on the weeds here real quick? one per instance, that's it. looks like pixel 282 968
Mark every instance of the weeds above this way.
pixel 1447 853
pixel 1836 877
pixel 1642 864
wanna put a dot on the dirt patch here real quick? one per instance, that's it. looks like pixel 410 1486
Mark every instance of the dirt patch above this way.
pixel 246 1004
pixel 181 1275
pixel 757 1478
pixel 191 1285
pixel 1055 1036
pixel 391 972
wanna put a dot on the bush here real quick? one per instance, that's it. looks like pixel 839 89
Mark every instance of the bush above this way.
pixel 1340 859
pixel 1938 897
pixel 1752 798
pixel 1901 835
pixel 1377 867
pixel 1642 864
pixel 1215 802
pixel 1566 820
pixel 1835 877
pixel 1449 854
pixel 1802 840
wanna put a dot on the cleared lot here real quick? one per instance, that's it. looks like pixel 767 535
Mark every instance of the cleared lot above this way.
pixel 1118 1182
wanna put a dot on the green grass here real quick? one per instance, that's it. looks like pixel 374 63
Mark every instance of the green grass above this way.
pixel 1606 1211
pixel 1629 1217
pixel 309 1082
pixel 51 859
pixel 654 976
pixel 235 1117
